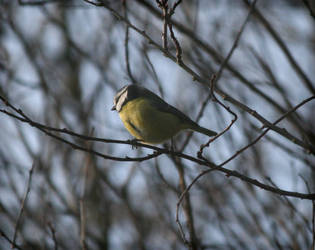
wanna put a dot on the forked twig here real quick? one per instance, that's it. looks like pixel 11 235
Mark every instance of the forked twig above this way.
pixel 218 167
pixel 216 77
pixel 157 151
pixel 212 86
pixel 2 234
pixel 309 147
pixel 167 14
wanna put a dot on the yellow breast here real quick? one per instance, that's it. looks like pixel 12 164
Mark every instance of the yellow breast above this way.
pixel 147 123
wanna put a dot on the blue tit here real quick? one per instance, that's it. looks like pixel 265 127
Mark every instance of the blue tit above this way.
pixel 149 118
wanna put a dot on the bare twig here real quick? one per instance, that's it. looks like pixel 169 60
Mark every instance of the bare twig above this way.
pixel 291 205
pixel 225 162
pixel 82 199
pixel 292 110
pixel 167 14
pixel 126 45
pixel 313 212
pixel 212 85
pixel 172 10
pixel 152 70
pixel 28 189
pixel 177 45
pixel 210 170
pixel 2 234
pixel 45 129
pixel 170 26
pixel 313 225
pixel 262 134
pixel 211 205
pixel 295 65
pixel 312 13
pixel 82 225
pixel 157 152
pixel 216 77
pixel 206 47
pixel 37 2
pixel 238 36
pixel 53 232
pixel 310 148
pixel 193 242
pixel 163 4
pixel 200 114
pixel 180 200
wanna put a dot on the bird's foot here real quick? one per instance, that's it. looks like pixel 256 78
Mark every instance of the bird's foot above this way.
pixel 133 143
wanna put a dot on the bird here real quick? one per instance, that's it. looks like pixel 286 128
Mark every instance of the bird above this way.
pixel 149 118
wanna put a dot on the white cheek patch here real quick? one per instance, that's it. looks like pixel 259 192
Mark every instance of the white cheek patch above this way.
pixel 121 100
pixel 122 90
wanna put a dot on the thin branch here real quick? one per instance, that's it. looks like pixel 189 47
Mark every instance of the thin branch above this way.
pixel 82 198
pixel 53 232
pixel 177 45
pixel 152 70
pixel 172 11
pixel 229 159
pixel 265 132
pixel 2 234
pixel 193 242
pixel 126 45
pixel 46 129
pixel 291 205
pixel 37 2
pixel 313 212
pixel 313 225
pixel 163 5
pixel 309 148
pixel 82 225
pixel 235 44
pixel 199 115
pixel 207 48
pixel 312 13
pixel 292 110
pixel 294 64
pixel 167 15
pixel 212 86
pixel 28 189
pixel 157 152
pixel 180 200
pixel 216 77
pixel 170 26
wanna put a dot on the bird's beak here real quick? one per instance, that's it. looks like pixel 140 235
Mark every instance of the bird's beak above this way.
pixel 113 108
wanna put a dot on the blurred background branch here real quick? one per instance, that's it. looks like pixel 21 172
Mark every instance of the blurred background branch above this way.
pixel 61 63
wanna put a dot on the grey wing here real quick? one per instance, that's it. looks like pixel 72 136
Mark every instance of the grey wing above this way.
pixel 163 106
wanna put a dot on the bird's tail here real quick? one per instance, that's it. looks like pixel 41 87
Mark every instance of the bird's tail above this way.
pixel 204 131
